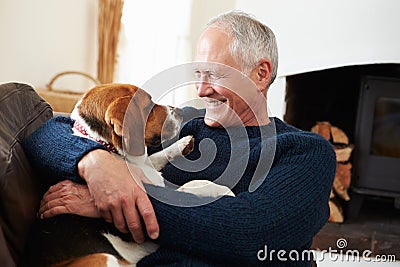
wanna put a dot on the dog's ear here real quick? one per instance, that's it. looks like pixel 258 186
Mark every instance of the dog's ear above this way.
pixel 135 121
pixel 128 115
pixel 115 113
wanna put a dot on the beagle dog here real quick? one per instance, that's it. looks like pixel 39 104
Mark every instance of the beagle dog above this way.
pixel 104 110
pixel 125 120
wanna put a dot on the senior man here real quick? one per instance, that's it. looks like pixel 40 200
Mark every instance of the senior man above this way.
pixel 283 209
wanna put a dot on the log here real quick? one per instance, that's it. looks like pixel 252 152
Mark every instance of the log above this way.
pixel 343 153
pixel 342 180
pixel 336 212
pixel 338 136
pixel 323 128
pixel 343 173
pixel 340 190
pixel 332 195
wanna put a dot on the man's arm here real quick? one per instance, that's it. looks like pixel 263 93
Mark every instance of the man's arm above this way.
pixel 54 151
pixel 56 155
pixel 285 212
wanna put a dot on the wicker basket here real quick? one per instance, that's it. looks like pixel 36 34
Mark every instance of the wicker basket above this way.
pixel 62 100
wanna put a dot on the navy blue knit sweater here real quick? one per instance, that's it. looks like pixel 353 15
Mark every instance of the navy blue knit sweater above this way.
pixel 282 184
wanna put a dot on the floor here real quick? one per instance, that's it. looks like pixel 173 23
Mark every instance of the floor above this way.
pixel 374 232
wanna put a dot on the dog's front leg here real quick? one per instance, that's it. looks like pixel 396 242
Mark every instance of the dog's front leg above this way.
pixel 181 147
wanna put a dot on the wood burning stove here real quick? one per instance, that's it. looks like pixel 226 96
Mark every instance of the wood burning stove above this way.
pixel 377 141
pixel 363 101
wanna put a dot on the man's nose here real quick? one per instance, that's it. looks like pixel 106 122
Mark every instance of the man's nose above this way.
pixel 204 89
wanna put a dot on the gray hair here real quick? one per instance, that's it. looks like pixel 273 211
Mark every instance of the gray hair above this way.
pixel 251 40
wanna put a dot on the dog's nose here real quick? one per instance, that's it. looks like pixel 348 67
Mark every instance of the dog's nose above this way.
pixel 178 112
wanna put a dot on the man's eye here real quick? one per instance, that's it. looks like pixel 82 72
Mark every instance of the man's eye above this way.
pixel 214 76
pixel 217 76
pixel 197 74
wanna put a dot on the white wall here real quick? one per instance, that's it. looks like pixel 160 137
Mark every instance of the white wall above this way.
pixel 202 12
pixel 43 37
pixel 314 35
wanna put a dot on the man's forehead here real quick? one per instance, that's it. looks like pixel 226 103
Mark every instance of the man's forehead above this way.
pixel 211 67
pixel 213 39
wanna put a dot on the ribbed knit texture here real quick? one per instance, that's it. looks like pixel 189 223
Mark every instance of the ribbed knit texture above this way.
pixel 285 212
pixel 54 151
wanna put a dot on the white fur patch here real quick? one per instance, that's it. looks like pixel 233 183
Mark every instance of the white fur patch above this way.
pixel 205 188
pixel 91 134
pixel 159 159
pixel 112 261
pixel 152 174
pixel 131 251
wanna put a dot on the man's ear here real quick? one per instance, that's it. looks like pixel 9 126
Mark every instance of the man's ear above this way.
pixel 263 72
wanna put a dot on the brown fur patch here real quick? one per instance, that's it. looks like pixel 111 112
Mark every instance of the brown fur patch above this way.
pixel 93 260
pixel 95 103
pixel 103 108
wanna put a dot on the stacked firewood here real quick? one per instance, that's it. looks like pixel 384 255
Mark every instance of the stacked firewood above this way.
pixel 341 183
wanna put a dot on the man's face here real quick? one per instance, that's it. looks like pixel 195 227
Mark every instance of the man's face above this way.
pixel 230 95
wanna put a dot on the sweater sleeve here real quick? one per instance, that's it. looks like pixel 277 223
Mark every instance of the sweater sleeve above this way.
pixel 285 212
pixel 54 151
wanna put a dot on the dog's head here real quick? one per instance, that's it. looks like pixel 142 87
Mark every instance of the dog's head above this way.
pixel 103 109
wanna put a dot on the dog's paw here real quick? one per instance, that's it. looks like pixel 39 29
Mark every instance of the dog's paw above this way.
pixel 183 146
pixel 186 144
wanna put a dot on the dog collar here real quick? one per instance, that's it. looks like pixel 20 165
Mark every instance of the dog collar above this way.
pixel 82 129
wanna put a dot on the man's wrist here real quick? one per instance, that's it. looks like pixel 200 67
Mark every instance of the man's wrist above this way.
pixel 88 162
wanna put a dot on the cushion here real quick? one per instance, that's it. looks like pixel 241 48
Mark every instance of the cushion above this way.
pixel 22 111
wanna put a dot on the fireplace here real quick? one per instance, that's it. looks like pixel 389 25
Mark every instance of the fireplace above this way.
pixel 364 101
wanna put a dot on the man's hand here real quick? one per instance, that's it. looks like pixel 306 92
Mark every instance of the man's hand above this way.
pixel 117 196
pixel 68 197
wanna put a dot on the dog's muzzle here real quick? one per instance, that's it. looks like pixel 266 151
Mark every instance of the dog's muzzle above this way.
pixel 172 124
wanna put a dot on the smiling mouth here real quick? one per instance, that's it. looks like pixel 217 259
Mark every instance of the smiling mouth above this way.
pixel 214 102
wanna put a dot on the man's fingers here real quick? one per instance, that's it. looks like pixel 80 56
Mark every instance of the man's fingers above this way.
pixel 56 187
pixel 47 205
pixel 50 196
pixel 53 212
pixel 106 215
pixel 149 217
pixel 133 222
pixel 119 221
pixel 144 209
pixel 59 186
pixel 52 192
pixel 58 190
